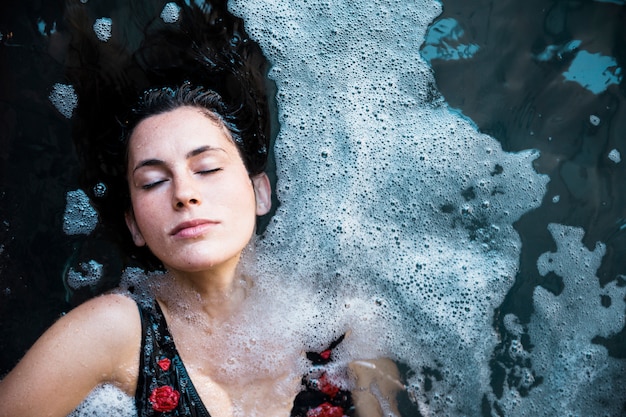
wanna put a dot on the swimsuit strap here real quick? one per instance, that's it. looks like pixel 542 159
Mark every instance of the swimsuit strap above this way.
pixel 164 387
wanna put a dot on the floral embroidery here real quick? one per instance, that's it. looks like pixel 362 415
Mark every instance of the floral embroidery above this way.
pixel 325 354
pixel 164 399
pixel 325 385
pixel 164 364
pixel 325 410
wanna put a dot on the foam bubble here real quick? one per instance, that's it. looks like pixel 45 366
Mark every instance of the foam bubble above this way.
pixel 615 156
pixel 387 194
pixel 170 13
pixel 100 190
pixel 79 218
pixel 64 98
pixel 136 282
pixel 577 375
pixel 90 274
pixel 106 400
pixel 102 28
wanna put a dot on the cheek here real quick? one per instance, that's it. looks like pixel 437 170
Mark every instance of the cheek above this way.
pixel 145 212
pixel 245 199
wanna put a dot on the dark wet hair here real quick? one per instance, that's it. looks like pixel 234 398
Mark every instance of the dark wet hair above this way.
pixel 156 101
pixel 205 59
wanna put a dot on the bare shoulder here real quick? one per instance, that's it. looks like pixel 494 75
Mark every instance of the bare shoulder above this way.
pixel 110 328
pixel 116 312
pixel 97 342
pixel 100 323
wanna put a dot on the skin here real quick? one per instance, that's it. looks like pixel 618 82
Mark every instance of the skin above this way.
pixel 377 382
pixel 95 343
pixel 194 205
pixel 172 163
pixel 99 341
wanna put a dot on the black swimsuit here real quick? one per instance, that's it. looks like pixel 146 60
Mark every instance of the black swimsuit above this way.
pixel 164 387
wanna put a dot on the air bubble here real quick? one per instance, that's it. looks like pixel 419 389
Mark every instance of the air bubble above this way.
pixel 106 400
pixel 79 218
pixel 64 99
pixel 170 13
pixel 88 275
pixel 615 156
pixel 102 28
pixel 100 190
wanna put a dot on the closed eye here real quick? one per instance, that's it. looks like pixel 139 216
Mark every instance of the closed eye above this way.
pixel 152 184
pixel 208 171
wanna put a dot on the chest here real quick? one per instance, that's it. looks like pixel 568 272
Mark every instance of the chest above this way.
pixel 230 373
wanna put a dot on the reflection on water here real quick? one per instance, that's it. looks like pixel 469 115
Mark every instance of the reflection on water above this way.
pixel 551 78
pixel 496 274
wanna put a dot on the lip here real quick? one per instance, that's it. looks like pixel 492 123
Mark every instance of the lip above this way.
pixel 193 228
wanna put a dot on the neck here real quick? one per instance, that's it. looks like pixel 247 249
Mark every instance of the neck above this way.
pixel 216 292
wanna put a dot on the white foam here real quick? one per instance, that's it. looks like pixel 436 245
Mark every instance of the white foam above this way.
pixel 386 194
pixel 79 218
pixel 106 400
pixel 89 274
pixel 170 13
pixel 102 28
pixel 615 156
pixel 578 375
pixel 64 99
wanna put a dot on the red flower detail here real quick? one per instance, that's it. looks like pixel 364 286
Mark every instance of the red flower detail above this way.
pixel 325 410
pixel 325 354
pixel 326 386
pixel 164 399
pixel 164 364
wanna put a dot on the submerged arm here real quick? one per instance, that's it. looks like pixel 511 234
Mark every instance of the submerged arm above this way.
pixel 98 342
pixel 377 385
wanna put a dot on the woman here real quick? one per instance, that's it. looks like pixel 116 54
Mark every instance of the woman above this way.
pixel 193 203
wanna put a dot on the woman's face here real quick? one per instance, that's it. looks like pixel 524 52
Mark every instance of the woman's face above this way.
pixel 193 202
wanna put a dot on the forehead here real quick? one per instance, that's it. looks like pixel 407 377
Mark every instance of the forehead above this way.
pixel 178 130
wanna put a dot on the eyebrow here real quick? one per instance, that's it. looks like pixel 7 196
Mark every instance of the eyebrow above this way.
pixel 189 155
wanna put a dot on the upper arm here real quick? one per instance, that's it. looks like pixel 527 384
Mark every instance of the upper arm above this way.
pixel 95 343
pixel 377 384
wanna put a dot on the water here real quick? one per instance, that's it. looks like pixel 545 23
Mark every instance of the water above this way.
pixel 554 84
pixel 458 198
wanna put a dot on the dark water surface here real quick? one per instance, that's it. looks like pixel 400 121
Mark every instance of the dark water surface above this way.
pixel 528 73
pixel 38 168
pixel 526 102
pixel 508 67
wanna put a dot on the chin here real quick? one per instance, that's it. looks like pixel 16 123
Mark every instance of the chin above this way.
pixel 203 256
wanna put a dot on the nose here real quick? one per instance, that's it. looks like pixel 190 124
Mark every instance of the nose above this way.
pixel 185 193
